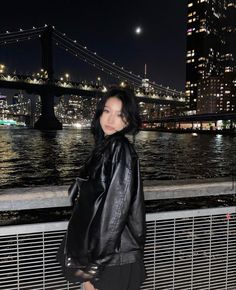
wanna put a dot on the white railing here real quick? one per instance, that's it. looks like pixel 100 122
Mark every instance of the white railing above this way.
pixel 185 250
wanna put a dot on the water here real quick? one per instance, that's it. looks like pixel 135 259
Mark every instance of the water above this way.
pixel 33 158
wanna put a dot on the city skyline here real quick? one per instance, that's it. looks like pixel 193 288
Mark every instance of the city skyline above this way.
pixel 110 31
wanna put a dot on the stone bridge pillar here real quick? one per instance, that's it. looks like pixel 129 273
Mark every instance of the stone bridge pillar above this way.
pixel 47 120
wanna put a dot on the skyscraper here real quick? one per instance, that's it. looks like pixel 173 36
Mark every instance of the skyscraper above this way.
pixel 210 63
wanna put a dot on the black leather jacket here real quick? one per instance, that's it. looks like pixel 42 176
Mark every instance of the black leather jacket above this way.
pixel 107 226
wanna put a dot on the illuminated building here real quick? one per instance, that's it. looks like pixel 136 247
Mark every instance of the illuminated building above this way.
pixel 210 59
pixel 3 101
pixel 21 105
pixel 75 109
pixel 209 95
pixel 3 107
pixel 18 98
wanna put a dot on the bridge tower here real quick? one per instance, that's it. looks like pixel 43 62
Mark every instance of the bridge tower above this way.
pixel 47 119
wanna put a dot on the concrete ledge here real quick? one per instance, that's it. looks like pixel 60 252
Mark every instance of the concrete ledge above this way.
pixel 33 198
pixel 188 190
pixel 56 196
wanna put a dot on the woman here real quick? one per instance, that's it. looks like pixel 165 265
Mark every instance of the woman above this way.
pixel 106 233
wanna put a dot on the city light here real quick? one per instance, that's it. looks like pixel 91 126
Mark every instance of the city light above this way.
pixel 77 125
pixel 67 77
pixel 2 68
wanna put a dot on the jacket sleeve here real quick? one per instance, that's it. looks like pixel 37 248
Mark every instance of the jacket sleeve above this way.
pixel 111 215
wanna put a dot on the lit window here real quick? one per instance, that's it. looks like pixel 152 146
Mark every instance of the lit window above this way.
pixel 189 54
pixel 228 69
pixel 190 4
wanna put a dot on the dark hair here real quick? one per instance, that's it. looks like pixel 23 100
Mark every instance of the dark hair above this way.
pixel 130 112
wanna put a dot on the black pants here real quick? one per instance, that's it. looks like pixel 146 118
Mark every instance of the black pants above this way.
pixel 124 277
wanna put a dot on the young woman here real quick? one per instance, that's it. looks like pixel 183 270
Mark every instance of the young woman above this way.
pixel 106 233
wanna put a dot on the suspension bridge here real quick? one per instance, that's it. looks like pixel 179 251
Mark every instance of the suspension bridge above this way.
pixel 47 86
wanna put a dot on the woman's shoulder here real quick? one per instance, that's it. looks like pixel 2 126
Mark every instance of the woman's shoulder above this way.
pixel 119 143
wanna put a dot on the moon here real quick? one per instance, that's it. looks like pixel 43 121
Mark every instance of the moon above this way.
pixel 138 30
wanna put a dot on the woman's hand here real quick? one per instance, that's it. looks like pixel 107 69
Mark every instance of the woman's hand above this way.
pixel 88 286
pixel 91 272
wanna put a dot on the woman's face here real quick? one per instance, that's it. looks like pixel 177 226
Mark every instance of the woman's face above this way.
pixel 111 119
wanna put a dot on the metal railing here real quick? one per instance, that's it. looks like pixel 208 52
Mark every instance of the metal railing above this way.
pixel 185 249
pixel 188 249
pixel 191 250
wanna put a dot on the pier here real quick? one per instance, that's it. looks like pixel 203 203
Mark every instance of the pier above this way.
pixel 188 245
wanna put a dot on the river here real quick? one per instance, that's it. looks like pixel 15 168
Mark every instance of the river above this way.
pixel 33 158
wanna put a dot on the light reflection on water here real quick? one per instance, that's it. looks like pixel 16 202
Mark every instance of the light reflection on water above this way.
pixel 31 157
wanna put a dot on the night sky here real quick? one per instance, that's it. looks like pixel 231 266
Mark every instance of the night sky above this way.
pixel 107 27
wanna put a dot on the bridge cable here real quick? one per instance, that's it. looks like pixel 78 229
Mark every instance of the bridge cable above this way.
pixel 75 53
pixel 89 54
pixel 108 63
pixel 19 33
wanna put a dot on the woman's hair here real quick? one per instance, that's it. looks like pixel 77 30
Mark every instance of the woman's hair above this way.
pixel 130 112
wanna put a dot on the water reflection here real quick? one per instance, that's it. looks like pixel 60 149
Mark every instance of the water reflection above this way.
pixel 180 156
pixel 31 157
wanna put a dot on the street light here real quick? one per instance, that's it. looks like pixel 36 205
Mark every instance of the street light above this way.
pixel 67 77
pixel 2 68
pixel 98 81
